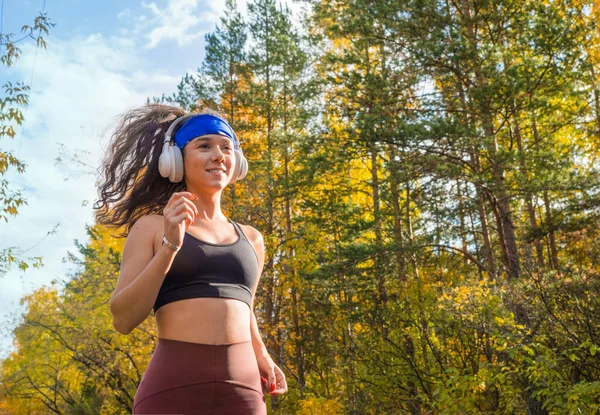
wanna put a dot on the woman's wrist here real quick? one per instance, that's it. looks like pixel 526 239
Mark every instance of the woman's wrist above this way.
pixel 264 356
pixel 170 245
pixel 260 351
pixel 166 252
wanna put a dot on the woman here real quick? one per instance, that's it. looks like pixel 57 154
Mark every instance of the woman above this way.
pixel 163 177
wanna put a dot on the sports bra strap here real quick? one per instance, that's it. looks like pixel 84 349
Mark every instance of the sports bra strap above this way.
pixel 239 230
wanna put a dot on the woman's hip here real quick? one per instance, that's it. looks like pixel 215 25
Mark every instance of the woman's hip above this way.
pixel 179 367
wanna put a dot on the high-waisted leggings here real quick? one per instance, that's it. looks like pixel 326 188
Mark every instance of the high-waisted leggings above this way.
pixel 194 378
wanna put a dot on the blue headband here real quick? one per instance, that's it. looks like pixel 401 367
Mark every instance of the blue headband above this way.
pixel 204 124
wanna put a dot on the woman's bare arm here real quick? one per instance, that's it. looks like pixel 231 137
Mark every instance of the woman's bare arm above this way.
pixel 141 276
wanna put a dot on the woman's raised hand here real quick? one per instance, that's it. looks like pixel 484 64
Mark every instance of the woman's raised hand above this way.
pixel 179 214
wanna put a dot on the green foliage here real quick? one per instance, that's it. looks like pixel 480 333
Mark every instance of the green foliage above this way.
pixel 16 97
pixel 425 177
pixel 69 356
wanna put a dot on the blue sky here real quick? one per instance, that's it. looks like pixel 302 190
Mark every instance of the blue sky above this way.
pixel 179 46
pixel 103 58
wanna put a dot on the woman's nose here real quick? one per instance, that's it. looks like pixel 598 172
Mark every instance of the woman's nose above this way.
pixel 219 155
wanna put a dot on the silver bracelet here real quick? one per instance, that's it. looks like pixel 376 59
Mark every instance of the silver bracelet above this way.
pixel 169 244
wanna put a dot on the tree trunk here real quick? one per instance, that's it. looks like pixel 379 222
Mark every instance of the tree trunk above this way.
pixel 553 255
pixel 528 196
pixel 504 217
pixel 395 194
pixel 474 160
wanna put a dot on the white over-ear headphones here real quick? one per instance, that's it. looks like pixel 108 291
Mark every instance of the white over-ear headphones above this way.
pixel 170 163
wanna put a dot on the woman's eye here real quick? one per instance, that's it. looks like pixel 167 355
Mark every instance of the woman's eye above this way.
pixel 206 145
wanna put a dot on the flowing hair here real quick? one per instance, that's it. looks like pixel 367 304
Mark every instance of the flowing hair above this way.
pixel 130 185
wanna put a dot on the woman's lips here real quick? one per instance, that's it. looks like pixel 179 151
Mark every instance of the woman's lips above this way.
pixel 216 173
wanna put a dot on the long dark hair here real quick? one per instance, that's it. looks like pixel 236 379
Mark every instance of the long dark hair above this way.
pixel 130 185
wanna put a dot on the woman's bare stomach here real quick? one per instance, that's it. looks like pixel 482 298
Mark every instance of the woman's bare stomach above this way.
pixel 205 320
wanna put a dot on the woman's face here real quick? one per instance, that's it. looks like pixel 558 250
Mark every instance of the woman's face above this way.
pixel 209 152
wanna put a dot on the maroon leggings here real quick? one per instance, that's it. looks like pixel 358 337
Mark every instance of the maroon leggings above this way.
pixel 195 378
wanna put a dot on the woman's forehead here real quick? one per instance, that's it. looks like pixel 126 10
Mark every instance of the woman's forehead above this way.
pixel 211 137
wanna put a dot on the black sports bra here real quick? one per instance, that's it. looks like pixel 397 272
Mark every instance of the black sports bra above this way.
pixel 204 269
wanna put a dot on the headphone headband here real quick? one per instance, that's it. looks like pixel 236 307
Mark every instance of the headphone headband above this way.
pixel 175 123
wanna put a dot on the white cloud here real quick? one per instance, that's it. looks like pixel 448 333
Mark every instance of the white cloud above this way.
pixel 177 21
pixel 124 13
pixel 181 21
pixel 79 88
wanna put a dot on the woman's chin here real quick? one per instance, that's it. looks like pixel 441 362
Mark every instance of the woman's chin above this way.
pixel 208 185
pixel 214 186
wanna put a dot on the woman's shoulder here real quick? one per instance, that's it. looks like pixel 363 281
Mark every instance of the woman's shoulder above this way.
pixel 153 223
pixel 149 220
pixel 153 226
pixel 251 233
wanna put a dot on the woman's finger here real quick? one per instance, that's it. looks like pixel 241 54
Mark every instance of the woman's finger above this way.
pixel 263 383
pixel 176 207
pixel 272 380
pixel 186 205
pixel 281 386
pixel 178 195
pixel 187 216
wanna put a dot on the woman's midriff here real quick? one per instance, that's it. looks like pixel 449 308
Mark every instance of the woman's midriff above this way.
pixel 205 320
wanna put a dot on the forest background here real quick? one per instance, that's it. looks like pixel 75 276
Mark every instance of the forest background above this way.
pixel 425 174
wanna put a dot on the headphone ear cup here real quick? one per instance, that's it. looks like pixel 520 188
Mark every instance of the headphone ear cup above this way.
pixel 241 166
pixel 236 171
pixel 164 161
pixel 170 162
pixel 176 164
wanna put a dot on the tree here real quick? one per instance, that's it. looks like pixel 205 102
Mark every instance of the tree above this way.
pixel 15 98
pixel 69 357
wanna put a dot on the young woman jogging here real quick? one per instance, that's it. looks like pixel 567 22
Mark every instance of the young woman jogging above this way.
pixel 163 177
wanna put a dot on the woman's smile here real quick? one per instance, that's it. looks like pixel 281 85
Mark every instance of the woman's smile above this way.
pixel 216 172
